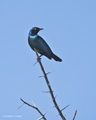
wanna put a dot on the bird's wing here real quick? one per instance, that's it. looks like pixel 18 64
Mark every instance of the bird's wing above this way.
pixel 43 47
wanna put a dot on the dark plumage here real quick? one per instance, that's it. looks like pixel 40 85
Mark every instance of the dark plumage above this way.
pixel 37 42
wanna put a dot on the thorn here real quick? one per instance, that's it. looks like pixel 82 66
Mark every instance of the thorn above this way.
pixel 48 73
pixel 54 91
pixel 58 115
pixel 65 107
pixel 45 114
pixel 41 76
pixel 75 114
pixel 62 109
pixel 55 106
pixel 47 91
pixel 55 96
pixel 35 63
pixel 20 105
pixel 38 59
pixel 41 117
pixel 34 104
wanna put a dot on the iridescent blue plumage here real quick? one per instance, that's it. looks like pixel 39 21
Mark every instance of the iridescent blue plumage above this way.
pixel 37 42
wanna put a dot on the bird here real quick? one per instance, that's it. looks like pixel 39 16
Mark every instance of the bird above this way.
pixel 37 42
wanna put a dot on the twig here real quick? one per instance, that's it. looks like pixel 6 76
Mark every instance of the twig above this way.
pixel 43 116
pixel 74 115
pixel 50 89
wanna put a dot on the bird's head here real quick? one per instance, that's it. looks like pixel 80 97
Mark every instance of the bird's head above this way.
pixel 34 31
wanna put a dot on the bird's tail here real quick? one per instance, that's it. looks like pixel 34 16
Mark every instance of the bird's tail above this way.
pixel 56 58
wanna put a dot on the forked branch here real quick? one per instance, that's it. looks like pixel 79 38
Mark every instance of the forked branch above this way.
pixel 42 116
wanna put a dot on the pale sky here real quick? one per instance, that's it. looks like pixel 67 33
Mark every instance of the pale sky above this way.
pixel 70 30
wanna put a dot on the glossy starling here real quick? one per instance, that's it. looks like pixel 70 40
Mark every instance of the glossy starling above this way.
pixel 37 42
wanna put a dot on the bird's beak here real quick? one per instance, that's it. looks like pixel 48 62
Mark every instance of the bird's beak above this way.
pixel 41 28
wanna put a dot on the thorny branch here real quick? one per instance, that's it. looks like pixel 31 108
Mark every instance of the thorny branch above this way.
pixel 42 116
pixel 52 96
pixel 50 89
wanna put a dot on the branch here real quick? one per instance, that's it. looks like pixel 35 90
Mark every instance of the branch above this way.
pixel 74 115
pixel 42 116
pixel 50 89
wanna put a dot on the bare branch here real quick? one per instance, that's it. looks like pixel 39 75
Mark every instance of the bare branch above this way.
pixel 74 115
pixel 50 89
pixel 43 116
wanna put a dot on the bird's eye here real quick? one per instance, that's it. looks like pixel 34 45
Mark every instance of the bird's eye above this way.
pixel 35 28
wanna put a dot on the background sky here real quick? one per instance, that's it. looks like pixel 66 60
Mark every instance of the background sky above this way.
pixel 70 30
